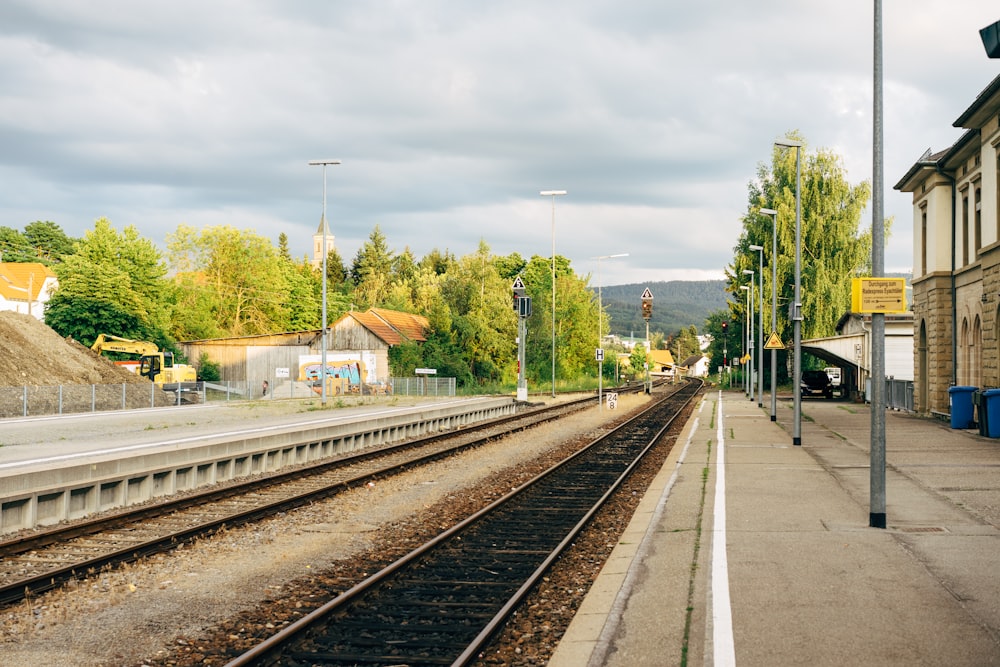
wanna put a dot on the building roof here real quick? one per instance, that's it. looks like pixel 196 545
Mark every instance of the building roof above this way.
pixel 16 278
pixel 692 360
pixel 982 107
pixel 413 327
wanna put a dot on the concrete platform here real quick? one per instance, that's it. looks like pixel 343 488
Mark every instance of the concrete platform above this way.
pixel 750 551
pixel 58 468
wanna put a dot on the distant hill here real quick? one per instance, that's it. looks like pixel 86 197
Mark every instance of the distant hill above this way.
pixel 677 304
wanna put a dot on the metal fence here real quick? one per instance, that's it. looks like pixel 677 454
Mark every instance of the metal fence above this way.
pixel 422 386
pixel 898 394
pixel 29 400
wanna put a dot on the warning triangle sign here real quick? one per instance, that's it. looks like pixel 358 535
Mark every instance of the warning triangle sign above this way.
pixel 773 342
pixel 646 294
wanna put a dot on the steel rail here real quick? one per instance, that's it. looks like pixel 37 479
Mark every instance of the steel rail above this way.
pixel 41 582
pixel 269 649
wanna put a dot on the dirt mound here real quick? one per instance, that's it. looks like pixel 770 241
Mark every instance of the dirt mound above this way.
pixel 33 354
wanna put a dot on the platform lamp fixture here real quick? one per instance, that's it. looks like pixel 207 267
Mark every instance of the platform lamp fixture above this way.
pixel 325 234
pixel 760 325
pixel 774 307
pixel 748 352
pixel 796 305
pixel 553 194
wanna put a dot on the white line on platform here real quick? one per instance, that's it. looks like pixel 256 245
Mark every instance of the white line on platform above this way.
pixel 196 438
pixel 723 648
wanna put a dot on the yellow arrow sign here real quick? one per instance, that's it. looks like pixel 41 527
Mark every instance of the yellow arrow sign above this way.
pixel 878 295
pixel 773 342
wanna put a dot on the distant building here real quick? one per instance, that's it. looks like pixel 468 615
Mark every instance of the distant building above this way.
pixel 956 258
pixel 365 337
pixel 25 288
pixel 323 230
pixel 696 365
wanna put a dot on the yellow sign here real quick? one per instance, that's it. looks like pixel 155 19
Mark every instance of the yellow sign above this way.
pixel 878 295
pixel 745 359
pixel 773 342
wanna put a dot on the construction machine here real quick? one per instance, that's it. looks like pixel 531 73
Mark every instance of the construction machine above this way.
pixel 154 364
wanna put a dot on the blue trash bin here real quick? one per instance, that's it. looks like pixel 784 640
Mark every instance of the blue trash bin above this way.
pixel 991 407
pixel 961 406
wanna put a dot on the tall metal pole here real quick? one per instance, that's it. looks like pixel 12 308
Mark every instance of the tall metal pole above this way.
pixel 774 308
pixel 746 339
pixel 324 230
pixel 553 194
pixel 760 324
pixel 750 332
pixel 796 311
pixel 876 516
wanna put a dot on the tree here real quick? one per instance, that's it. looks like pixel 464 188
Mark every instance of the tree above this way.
pixel 238 276
pixel 49 241
pixel 834 249
pixel 372 269
pixel 483 323
pixel 114 283
pixel 15 246
pixel 576 321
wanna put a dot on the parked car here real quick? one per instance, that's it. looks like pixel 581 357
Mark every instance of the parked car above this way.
pixel 816 383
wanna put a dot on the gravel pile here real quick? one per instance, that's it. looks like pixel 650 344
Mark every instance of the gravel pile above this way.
pixel 190 606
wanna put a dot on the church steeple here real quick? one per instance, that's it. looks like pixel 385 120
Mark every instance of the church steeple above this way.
pixel 321 231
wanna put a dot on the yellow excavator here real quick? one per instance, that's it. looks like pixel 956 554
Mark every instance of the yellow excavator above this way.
pixel 154 364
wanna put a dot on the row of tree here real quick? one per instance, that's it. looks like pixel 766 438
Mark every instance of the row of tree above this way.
pixel 834 249
pixel 220 282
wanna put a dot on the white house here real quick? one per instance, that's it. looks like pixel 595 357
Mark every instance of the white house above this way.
pixel 25 288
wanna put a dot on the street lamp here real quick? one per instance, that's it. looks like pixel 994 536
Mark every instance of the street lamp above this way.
pixel 600 328
pixel 796 311
pixel 325 232
pixel 750 336
pixel 774 307
pixel 746 336
pixel 760 325
pixel 553 194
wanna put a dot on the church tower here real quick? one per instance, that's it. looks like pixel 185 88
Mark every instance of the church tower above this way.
pixel 323 230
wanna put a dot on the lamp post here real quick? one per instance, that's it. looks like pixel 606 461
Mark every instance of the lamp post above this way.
pixel 553 194
pixel 325 230
pixel 600 329
pixel 774 308
pixel 796 311
pixel 760 325
pixel 750 334
pixel 746 337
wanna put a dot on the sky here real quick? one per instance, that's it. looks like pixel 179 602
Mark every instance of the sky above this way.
pixel 451 117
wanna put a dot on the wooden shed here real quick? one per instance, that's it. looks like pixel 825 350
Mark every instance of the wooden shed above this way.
pixel 366 336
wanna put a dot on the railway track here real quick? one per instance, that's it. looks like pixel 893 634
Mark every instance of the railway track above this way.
pixel 44 560
pixel 441 603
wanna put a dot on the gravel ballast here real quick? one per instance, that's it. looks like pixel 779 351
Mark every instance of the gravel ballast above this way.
pixel 161 610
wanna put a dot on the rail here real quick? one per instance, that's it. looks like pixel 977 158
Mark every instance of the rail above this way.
pixel 443 602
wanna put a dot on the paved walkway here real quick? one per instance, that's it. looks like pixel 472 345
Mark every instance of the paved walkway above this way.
pixel 750 551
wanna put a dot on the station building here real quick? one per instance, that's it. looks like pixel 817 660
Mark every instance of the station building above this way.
pixel 956 258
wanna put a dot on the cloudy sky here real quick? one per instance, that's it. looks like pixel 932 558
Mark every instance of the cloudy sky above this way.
pixel 451 116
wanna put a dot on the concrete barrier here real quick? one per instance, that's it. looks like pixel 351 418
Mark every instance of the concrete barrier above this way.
pixel 40 494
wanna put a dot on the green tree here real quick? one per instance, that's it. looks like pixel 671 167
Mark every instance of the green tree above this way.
pixel 575 318
pixel 238 275
pixel 483 323
pixel 48 240
pixel 114 283
pixel 371 271
pixel 15 246
pixel 834 249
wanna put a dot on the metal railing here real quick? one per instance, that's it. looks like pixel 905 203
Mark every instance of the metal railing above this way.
pixel 39 400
